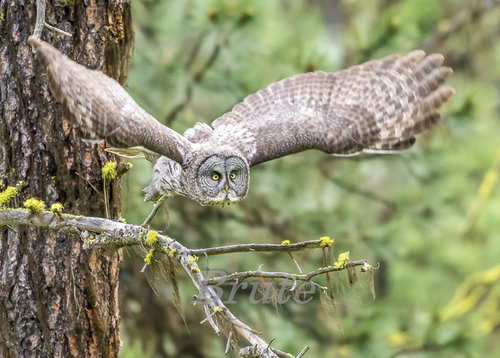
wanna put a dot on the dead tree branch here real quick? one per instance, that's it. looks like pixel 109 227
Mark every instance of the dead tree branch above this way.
pixel 104 234
pixel 285 275
pixel 40 21
pixel 310 244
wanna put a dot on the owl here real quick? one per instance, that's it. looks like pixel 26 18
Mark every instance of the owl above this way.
pixel 379 106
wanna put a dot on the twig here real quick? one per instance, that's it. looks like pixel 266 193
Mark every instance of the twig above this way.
pixel 219 250
pixel 303 352
pixel 40 18
pixel 104 190
pixel 74 291
pixel 295 261
pixel 328 281
pixel 280 354
pixel 40 21
pixel 228 344
pixel 12 229
pixel 92 186
pixel 207 269
pixel 284 275
pixel 209 318
pixel 53 28
pixel 153 212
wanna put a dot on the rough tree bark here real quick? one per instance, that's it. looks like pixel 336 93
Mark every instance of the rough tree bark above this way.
pixel 56 299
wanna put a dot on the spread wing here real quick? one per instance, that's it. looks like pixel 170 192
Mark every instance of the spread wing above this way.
pixel 379 106
pixel 100 107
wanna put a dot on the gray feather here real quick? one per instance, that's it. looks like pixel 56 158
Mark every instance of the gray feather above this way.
pixel 101 108
pixel 377 106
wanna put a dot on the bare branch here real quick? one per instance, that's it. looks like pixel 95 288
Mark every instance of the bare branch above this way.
pixel 283 275
pixel 303 351
pixel 40 21
pixel 53 28
pixel 40 18
pixel 295 262
pixel 219 250
pixel 114 234
pixel 152 214
pixel 111 234
pixel 228 344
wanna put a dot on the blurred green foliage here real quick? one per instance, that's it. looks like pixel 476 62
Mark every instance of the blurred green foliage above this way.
pixel 429 216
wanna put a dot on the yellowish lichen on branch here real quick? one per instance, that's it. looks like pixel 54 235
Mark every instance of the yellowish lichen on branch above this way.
pixel 7 195
pixel 193 259
pixel 149 257
pixel 34 205
pixel 172 252
pixel 109 170
pixel 218 309
pixel 342 261
pixel 56 208
pixel 325 241
pixel 285 243
pixel 151 238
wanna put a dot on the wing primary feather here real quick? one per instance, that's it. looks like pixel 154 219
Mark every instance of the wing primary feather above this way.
pixel 101 108
pixel 378 106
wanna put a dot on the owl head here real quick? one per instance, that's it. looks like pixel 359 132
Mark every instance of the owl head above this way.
pixel 222 179
pixel 210 178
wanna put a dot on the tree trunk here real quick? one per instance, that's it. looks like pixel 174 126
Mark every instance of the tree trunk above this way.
pixel 56 299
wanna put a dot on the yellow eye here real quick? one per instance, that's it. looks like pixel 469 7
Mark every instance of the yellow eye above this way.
pixel 232 175
pixel 215 176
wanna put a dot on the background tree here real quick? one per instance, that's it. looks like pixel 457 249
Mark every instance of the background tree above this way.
pixel 419 214
pixel 56 299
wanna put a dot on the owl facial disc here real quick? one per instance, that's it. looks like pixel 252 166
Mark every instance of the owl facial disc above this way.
pixel 223 179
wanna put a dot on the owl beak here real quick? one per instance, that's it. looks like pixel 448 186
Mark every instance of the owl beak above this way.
pixel 227 188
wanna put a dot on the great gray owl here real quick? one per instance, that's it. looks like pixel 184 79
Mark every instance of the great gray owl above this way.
pixel 379 106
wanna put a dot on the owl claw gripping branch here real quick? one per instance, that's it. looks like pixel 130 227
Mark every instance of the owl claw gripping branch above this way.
pixel 379 106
